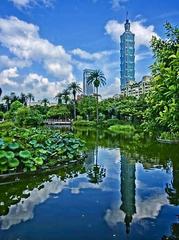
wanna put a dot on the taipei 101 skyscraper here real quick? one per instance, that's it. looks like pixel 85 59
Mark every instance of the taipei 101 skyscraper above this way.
pixel 127 58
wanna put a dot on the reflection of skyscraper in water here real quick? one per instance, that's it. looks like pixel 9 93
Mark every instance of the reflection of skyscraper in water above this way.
pixel 127 190
pixel 90 159
pixel 88 89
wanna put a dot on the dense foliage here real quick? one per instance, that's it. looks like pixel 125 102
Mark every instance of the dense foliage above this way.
pixel 162 113
pixel 28 149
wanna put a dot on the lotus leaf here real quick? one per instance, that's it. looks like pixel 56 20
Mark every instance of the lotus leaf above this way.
pixel 33 142
pixel 2 154
pixel 10 155
pixel 33 168
pixel 75 146
pixel 3 168
pixel 14 162
pixel 13 146
pixel 1 142
pixel 38 160
pixel 3 161
pixel 25 154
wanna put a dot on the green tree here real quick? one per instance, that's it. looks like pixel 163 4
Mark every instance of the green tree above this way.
pixel 7 100
pixel 86 107
pixel 45 101
pixel 59 97
pixel 98 79
pixel 60 111
pixel 74 88
pixel 23 98
pixel 66 96
pixel 163 101
pixel 30 97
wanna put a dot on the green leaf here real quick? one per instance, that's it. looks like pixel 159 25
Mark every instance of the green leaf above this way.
pixel 33 142
pixel 13 146
pixel 38 161
pixel 33 168
pixel 14 162
pixel 25 154
pixel 3 168
pixel 75 146
pixel 3 161
pixel 2 154
pixel 9 155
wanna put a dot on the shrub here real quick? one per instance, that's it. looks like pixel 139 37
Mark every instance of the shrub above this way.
pixel 28 117
pixel 1 115
pixel 6 125
pixel 122 129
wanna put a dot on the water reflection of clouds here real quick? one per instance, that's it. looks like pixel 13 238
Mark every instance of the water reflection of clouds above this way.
pixel 149 199
pixel 23 210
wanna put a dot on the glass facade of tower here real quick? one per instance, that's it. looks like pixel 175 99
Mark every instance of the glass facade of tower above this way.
pixel 127 48
pixel 88 89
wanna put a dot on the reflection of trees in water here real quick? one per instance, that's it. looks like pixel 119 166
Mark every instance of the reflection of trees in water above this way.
pixel 149 153
pixel 173 189
pixel 175 233
pixel 13 191
pixel 96 173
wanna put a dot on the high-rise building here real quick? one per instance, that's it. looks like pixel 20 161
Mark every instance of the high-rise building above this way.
pixel 88 89
pixel 127 58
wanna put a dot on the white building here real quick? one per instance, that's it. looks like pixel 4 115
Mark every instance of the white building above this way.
pixel 137 89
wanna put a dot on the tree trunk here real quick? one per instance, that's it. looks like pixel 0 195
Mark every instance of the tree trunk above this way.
pixel 97 115
pixel 74 107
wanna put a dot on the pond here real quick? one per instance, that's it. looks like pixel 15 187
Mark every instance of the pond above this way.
pixel 124 190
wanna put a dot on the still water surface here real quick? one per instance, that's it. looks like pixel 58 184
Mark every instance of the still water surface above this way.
pixel 123 190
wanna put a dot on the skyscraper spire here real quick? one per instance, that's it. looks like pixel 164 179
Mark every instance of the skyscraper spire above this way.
pixel 127 15
pixel 127 24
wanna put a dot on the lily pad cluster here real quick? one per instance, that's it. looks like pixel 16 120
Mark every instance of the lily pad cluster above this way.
pixel 31 149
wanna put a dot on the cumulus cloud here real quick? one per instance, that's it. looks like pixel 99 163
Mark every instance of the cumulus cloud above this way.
pixel 7 62
pixel 112 89
pixel 143 34
pixel 27 3
pixel 7 76
pixel 23 40
pixel 40 86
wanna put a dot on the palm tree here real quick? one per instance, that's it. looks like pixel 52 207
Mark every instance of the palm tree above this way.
pixel 23 98
pixel 30 97
pixel 98 79
pixel 74 88
pixel 65 95
pixel 7 100
pixel 59 97
pixel 45 101
pixel 13 97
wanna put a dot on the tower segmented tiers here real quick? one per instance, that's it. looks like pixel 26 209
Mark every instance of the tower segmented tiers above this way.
pixel 127 49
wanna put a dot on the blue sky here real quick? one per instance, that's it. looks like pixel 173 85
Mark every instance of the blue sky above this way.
pixel 45 44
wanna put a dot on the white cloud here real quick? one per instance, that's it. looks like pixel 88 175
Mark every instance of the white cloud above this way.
pixel 142 55
pixel 23 40
pixel 111 89
pixel 41 87
pixel 7 75
pixel 27 3
pixel 143 34
pixel 7 62
pixel 116 4
pixel 91 56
